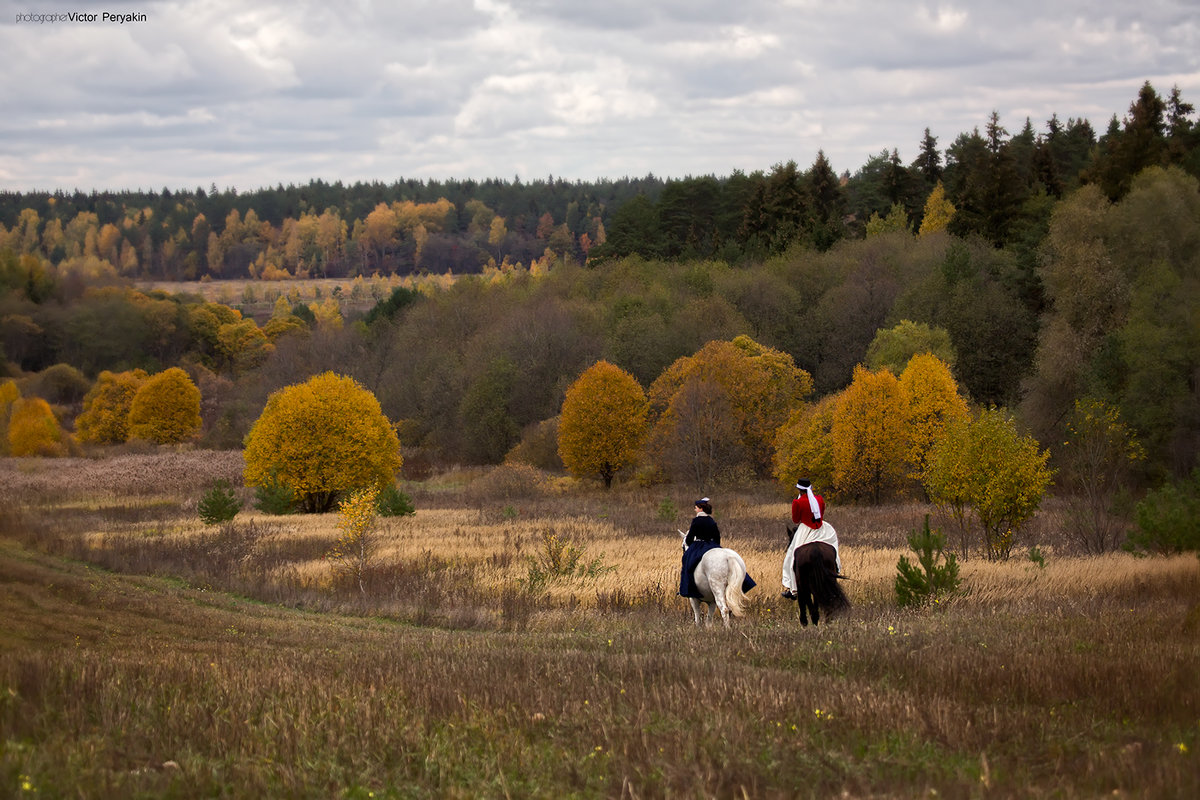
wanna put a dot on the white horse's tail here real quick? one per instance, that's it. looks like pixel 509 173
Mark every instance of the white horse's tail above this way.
pixel 735 598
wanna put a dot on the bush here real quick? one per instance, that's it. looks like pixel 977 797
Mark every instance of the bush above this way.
pixel 324 438
pixel 560 560
pixel 165 409
pixel 219 504
pixel 394 503
pixel 1168 519
pixel 33 430
pixel 273 497
pixel 918 585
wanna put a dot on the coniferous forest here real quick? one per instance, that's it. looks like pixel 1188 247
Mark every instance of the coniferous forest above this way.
pixel 1059 262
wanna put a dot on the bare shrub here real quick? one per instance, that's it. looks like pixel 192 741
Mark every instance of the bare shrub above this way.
pixel 510 482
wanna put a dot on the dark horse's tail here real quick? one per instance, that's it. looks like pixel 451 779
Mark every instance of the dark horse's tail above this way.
pixel 826 589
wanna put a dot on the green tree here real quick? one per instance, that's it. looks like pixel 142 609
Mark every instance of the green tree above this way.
pixel 603 422
pixel 983 470
pixel 1096 459
pixel 927 580
pixel 219 504
pixel 165 409
pixel 322 438
pixel 894 347
pixel 1168 519
pixel 488 422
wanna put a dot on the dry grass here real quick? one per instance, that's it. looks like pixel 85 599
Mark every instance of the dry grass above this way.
pixel 448 678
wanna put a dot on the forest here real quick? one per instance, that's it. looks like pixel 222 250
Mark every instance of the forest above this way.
pixel 1049 269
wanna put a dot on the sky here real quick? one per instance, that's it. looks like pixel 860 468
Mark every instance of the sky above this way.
pixel 237 93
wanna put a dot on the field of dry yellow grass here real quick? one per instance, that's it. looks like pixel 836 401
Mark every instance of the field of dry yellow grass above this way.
pixel 144 654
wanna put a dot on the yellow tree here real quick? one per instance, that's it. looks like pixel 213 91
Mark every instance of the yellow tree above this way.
pixel 930 400
pixel 322 439
pixel 244 345
pixel 165 409
pixel 868 436
pixel 105 416
pixel 33 430
pixel 938 211
pixel 804 446
pixel 603 423
pixel 985 470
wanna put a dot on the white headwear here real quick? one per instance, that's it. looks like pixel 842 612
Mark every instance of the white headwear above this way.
pixel 806 488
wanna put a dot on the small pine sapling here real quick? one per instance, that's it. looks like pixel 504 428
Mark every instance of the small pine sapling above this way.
pixel 219 504
pixel 394 503
pixel 918 584
pixel 273 497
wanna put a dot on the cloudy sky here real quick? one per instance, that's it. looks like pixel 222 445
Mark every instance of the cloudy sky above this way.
pixel 246 94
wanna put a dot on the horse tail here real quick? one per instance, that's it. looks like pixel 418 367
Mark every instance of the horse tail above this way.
pixel 829 594
pixel 735 598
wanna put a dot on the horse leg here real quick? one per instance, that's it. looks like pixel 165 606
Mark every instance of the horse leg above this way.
pixel 720 601
pixel 696 610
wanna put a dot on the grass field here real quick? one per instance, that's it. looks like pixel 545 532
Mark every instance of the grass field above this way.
pixel 145 655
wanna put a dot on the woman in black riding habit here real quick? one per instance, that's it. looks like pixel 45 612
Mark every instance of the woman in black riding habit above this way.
pixel 703 535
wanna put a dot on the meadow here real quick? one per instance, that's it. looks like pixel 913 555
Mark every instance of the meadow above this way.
pixel 144 654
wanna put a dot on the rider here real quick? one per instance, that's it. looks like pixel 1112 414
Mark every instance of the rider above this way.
pixel 808 525
pixel 703 535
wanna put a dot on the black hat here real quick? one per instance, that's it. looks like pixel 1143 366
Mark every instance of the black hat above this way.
pixel 803 483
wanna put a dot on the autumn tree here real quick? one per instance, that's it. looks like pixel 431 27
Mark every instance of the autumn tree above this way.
pixel 804 446
pixel 761 387
pixel 603 422
pixel 983 470
pixel 929 401
pixel 165 409
pixel 33 430
pixel 938 212
pixel 868 437
pixel 322 438
pixel 105 416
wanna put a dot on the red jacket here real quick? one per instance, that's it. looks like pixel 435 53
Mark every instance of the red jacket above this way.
pixel 802 513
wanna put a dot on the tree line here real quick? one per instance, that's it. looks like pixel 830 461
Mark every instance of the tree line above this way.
pixel 1089 303
pixel 1002 186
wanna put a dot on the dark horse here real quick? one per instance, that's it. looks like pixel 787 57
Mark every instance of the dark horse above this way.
pixel 817 590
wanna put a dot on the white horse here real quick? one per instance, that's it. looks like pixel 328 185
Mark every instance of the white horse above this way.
pixel 719 577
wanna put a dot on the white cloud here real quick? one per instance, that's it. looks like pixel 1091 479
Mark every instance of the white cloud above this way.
pixel 216 91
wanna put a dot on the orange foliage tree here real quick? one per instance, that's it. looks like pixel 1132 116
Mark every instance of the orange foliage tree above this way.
pixel 105 416
pixel 165 409
pixel 33 430
pixel 322 439
pixel 760 385
pixel 868 436
pixel 603 422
